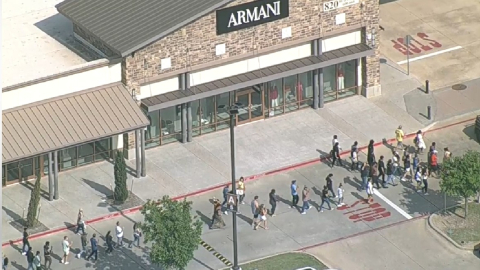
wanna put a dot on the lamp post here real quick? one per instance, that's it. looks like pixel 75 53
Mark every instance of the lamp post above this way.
pixel 233 111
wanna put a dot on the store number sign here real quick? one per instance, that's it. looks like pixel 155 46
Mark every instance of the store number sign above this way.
pixel 332 5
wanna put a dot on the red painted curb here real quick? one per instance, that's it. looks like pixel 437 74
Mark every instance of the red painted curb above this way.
pixel 361 233
pixel 247 179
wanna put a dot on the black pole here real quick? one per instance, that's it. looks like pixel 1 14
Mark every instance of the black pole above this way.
pixel 427 86
pixel 234 191
pixel 429 112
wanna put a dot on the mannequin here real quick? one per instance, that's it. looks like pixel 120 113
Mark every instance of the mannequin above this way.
pixel 299 91
pixel 341 78
pixel 273 99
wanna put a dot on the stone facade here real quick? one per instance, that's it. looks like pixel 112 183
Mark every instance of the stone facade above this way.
pixel 194 45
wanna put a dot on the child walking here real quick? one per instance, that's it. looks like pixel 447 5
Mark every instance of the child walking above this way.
pixel 340 192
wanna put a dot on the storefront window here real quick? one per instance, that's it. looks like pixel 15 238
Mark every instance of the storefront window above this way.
pixel 4 176
pixel 26 169
pixel 305 87
pixel 275 97
pixel 170 124
pixel 85 154
pixel 207 108
pixel 223 117
pixel 102 149
pixel 68 158
pixel 290 93
pixel 196 117
pixel 152 135
pixel 329 83
pixel 347 79
pixel 13 173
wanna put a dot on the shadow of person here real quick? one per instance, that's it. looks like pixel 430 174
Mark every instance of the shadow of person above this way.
pixel 205 219
pixel 18 266
pixel 244 218
pixel 355 182
pixel 324 156
pixel 389 146
pixel 283 200
pixel 357 195
pixel 317 191
pixel 15 246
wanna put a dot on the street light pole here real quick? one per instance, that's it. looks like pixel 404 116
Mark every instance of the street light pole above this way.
pixel 233 111
pixel 234 190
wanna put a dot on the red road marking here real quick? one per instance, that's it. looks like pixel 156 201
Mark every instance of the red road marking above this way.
pixel 374 211
pixel 419 43
pixel 202 191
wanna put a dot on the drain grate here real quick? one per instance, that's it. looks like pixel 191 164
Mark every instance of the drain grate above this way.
pixel 459 87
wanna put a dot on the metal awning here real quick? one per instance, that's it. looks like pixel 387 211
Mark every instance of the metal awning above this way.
pixel 257 77
pixel 69 120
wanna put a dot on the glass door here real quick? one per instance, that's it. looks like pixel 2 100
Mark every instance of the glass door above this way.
pixel 243 97
pixel 256 105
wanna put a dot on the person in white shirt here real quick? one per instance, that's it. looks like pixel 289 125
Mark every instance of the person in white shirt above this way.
pixel 66 249
pixel 340 192
pixel 419 142
pixel 119 232
pixel 334 141
pixel 370 191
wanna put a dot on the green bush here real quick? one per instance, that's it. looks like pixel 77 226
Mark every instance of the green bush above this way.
pixel 121 190
pixel 33 205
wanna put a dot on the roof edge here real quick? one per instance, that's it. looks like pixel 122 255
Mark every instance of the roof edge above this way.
pixel 176 27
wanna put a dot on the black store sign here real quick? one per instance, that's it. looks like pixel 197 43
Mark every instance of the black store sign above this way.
pixel 250 14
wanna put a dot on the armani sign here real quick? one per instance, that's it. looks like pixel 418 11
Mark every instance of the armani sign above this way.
pixel 250 14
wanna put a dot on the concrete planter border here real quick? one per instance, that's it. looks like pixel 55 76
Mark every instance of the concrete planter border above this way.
pixel 444 235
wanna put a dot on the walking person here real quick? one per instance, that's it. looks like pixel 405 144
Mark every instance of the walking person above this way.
pixel 374 174
pixel 371 152
pixel 415 164
pixel 217 219
pixel 305 199
pixel 30 258
pixel 80 222
pixel 294 192
pixel 390 169
pixel 119 234
pixel 26 243
pixel 407 166
pixel 340 192
pixel 418 179
pixel 263 216
pixel 370 191
pixel 419 142
pixel 381 171
pixel 425 181
pixel 94 244
pixel 225 192
pixel 399 136
pixel 137 233
pixel 447 155
pixel 47 255
pixel 241 190
pixel 255 212
pixel 272 199
pixel 37 261
pixel 335 140
pixel 354 156
pixel 396 163
pixel 325 199
pixel 5 263
pixel 84 242
pixel 336 155
pixel 330 184
pixel 433 164
pixel 364 174
pixel 66 249
pixel 109 240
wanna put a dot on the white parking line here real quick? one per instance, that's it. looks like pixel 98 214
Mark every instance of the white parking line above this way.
pixel 394 206
pixel 428 55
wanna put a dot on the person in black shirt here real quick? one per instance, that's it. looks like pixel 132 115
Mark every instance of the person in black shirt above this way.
pixel 273 202
pixel 30 257
pixel 325 199
pixel 94 244
pixel 330 185
pixel 109 240
pixel 336 155
pixel 370 153
pixel 5 262
pixel 26 243
pixel 381 170
pixel 47 254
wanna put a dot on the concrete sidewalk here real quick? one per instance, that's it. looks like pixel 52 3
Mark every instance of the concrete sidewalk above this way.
pixel 412 245
pixel 289 230
pixel 179 169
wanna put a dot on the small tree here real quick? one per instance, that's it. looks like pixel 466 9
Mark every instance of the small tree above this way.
pixel 121 191
pixel 174 234
pixel 34 202
pixel 461 176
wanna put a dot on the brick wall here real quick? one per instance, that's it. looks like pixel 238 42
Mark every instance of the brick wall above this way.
pixel 195 44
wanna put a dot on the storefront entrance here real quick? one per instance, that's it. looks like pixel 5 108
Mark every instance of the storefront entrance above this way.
pixel 252 105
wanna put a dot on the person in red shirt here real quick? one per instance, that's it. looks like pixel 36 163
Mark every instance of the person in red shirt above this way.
pixel 433 164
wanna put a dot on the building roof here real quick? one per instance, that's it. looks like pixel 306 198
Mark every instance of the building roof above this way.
pixel 257 77
pixel 69 120
pixel 126 26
